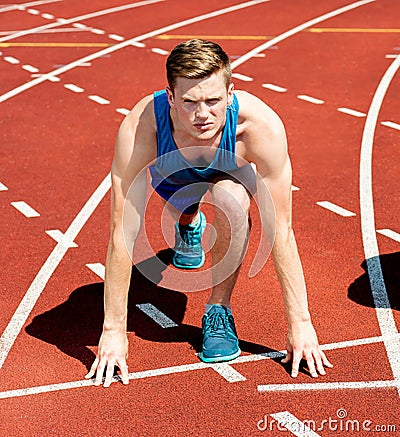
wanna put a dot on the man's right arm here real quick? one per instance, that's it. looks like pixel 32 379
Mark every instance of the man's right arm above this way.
pixel 135 149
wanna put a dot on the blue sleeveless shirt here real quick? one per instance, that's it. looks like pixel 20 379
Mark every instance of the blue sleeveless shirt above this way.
pixel 171 171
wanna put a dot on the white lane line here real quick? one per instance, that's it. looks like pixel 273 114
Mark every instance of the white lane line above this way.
pixel 228 372
pixel 39 283
pixel 33 11
pixel 352 112
pixel 99 100
pixel 98 268
pixel 294 425
pixel 74 88
pixel 30 68
pixel 310 99
pixel 355 385
pixel 46 77
pixel 25 209
pixel 297 29
pixel 116 37
pixel 336 209
pixel 158 316
pixel 123 111
pixel 390 234
pixel 242 77
pixel 159 51
pixel 137 44
pixel 294 188
pixel 391 56
pixel 178 369
pixel 383 309
pixel 3 187
pixel 391 124
pixel 62 21
pixel 25 5
pixel 11 60
pixel 123 44
pixel 272 87
pixel 60 238
pixel 48 16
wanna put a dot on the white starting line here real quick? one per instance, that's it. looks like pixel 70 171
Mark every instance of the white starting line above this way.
pixel 336 209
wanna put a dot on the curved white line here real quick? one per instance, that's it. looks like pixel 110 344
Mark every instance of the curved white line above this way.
pixel 384 312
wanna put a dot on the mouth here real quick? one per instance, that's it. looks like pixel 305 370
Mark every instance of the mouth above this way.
pixel 203 126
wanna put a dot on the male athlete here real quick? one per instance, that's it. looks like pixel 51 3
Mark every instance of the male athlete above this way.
pixel 195 136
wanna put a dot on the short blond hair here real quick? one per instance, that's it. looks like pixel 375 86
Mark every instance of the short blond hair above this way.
pixel 197 59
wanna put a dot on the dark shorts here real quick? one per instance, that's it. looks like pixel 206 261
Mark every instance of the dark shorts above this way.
pixel 187 197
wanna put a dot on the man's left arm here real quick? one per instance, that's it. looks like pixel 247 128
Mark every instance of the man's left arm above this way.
pixel 269 153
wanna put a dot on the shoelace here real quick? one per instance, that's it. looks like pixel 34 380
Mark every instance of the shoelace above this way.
pixel 218 325
pixel 188 238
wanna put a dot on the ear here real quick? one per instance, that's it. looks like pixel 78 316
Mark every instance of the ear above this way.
pixel 170 95
pixel 230 93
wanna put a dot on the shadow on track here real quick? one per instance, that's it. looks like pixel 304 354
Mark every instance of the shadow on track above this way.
pixel 360 290
pixel 77 322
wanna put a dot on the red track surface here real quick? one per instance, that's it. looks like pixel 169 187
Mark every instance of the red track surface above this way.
pixel 56 149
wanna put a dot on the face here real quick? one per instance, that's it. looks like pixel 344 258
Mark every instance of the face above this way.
pixel 199 105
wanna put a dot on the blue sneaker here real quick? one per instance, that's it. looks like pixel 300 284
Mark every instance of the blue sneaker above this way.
pixel 188 251
pixel 220 341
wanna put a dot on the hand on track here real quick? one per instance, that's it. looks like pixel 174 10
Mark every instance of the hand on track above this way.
pixel 302 343
pixel 112 351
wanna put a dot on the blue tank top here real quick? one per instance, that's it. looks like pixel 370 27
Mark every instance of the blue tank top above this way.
pixel 172 166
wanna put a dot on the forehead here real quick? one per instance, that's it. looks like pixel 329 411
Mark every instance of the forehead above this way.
pixel 200 88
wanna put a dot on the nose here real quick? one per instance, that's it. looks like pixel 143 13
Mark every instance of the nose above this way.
pixel 201 111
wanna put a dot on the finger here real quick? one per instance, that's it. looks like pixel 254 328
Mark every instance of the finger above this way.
pixel 288 358
pixel 109 374
pixel 124 372
pixel 325 360
pixel 319 364
pixel 296 364
pixel 99 373
pixel 311 365
pixel 92 370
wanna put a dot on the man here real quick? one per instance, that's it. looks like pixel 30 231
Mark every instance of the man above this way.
pixel 196 135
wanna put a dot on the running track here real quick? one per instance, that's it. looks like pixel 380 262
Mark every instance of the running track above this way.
pixel 69 72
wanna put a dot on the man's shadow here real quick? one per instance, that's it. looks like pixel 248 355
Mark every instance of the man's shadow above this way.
pixel 360 290
pixel 77 323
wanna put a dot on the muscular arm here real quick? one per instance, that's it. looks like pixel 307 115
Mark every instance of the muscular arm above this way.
pixel 133 152
pixel 267 148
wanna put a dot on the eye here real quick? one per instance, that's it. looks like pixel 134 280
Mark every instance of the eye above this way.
pixel 213 101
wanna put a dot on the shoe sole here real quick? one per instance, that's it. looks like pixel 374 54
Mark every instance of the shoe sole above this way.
pixel 219 359
pixel 186 267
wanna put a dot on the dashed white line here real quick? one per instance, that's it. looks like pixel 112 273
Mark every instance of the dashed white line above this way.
pixel 391 56
pixel 74 88
pixel 60 238
pixel 50 78
pixel 137 44
pixel 25 209
pixel 159 51
pixel 11 60
pixel 390 234
pixel 123 111
pixel 391 124
pixel 242 77
pixel 30 68
pixel 62 20
pixel 99 100
pixel 336 209
pixel 48 16
pixel 98 268
pixel 98 31
pixel 228 372
pixel 310 99
pixel 294 188
pixel 272 87
pixel 294 425
pixel 79 25
pixel 33 11
pixel 158 316
pixel 116 37
pixel 352 112
pixel 3 187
